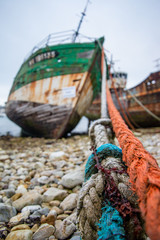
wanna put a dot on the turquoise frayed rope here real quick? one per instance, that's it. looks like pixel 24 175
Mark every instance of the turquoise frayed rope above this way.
pixel 104 151
pixel 110 224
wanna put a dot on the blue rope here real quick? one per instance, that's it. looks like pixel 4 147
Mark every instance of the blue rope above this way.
pixel 106 150
pixel 110 224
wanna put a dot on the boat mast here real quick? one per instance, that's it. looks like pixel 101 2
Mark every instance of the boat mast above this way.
pixel 79 25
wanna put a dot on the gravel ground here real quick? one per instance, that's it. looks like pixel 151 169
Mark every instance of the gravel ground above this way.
pixel 40 181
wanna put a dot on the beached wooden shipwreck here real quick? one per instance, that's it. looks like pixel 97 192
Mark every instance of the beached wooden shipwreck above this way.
pixel 61 78
pixel 140 104
pixel 55 86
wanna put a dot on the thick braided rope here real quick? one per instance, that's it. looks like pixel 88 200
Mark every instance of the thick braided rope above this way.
pixel 104 151
pixel 90 197
pixel 89 206
pixel 143 171
pixel 110 158
pixel 97 132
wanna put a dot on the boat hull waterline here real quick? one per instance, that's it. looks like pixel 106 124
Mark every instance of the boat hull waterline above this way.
pixel 50 94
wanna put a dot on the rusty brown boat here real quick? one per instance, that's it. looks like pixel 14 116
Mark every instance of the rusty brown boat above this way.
pixel 54 87
pixel 141 104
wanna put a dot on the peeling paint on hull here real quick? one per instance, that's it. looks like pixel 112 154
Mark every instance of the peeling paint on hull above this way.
pixel 43 110
pixel 54 87
pixel 147 92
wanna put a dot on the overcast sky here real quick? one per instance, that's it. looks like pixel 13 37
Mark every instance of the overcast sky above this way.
pixel 130 27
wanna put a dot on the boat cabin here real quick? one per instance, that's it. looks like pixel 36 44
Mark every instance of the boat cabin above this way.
pixel 119 79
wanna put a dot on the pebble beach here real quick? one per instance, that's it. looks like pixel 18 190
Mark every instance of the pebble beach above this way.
pixel 40 181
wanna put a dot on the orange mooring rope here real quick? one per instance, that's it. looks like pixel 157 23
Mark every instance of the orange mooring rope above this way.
pixel 120 105
pixel 143 171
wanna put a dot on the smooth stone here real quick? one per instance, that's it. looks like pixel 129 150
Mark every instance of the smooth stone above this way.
pixel 22 171
pixel 9 192
pixel 36 216
pixel 54 194
pixel 31 208
pixel 22 155
pixel 8 202
pixel 3 232
pixel 52 238
pixel 52 212
pixel 34 181
pixel 76 189
pixel 58 173
pixel 6 212
pixel 47 173
pixel 50 219
pixel 60 187
pixel 39 189
pixel 11 186
pixel 72 179
pixel 56 155
pixel 72 218
pixel 62 216
pixel 39 165
pixel 59 164
pixel 6 179
pixel 2 152
pixel 29 198
pixel 35 228
pixel 4 157
pixel 45 205
pixel 43 211
pixel 54 203
pixel 13 183
pixel 43 232
pixel 21 189
pixel 20 227
pixel 43 180
pixel 16 196
pixel 21 217
pixel 20 235
pixel 70 202
pixel 58 210
pixel 76 238
pixel 67 212
pixel 64 229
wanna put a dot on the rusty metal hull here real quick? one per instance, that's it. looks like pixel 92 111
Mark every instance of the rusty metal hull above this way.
pixel 51 107
pixel 147 92
pixel 54 87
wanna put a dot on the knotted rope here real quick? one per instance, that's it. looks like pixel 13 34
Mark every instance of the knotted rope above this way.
pixel 108 180
pixel 143 171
